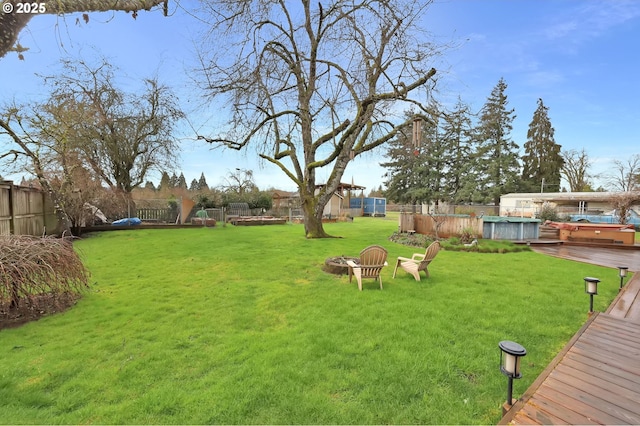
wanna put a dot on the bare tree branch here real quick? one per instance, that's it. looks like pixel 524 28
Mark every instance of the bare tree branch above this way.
pixel 11 24
pixel 575 170
pixel 625 175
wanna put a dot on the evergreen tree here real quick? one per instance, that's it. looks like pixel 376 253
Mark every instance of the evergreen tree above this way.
pixel 434 172
pixel 165 181
pixel 194 185
pixel 378 193
pixel 202 183
pixel 459 158
pixel 150 185
pixel 542 161
pixel 416 174
pixel 498 164
pixel 402 178
pixel 173 181
pixel 182 182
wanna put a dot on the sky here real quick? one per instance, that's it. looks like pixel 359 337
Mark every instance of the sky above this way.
pixel 580 57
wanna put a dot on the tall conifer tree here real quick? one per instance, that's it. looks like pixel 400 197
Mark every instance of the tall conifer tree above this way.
pixel 458 155
pixel 498 165
pixel 182 182
pixel 202 182
pixel 165 181
pixel 416 173
pixel 542 161
pixel 403 175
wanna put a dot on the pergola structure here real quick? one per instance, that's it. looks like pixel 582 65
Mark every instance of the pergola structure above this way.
pixel 342 197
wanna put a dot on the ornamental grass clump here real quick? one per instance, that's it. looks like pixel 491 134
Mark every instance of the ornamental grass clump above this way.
pixel 38 276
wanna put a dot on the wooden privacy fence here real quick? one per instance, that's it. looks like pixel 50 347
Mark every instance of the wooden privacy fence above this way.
pixel 25 211
pixel 448 225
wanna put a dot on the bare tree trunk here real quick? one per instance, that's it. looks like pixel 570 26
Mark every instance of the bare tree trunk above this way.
pixel 438 220
pixel 313 227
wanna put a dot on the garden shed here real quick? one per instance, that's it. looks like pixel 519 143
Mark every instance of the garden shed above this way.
pixel 370 206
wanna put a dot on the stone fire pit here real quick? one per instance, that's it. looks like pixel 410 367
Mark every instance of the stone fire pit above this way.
pixel 338 264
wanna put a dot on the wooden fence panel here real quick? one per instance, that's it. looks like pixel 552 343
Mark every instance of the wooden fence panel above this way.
pixel 406 222
pixel 449 225
pixel 5 209
pixel 23 211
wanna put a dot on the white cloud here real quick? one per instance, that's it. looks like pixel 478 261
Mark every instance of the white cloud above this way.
pixel 591 19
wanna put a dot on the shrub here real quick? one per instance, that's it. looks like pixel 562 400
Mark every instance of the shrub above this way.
pixel 548 212
pixel 413 240
pixel 38 274
pixel 467 235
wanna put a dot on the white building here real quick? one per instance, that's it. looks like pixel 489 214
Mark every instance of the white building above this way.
pixel 529 204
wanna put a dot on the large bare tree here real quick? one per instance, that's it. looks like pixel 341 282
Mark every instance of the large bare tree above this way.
pixel 240 181
pixel 625 175
pixel 120 136
pixel 88 123
pixel 314 85
pixel 575 169
pixel 12 22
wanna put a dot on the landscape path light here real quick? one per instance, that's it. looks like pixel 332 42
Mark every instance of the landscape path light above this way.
pixel 591 288
pixel 622 271
pixel 510 355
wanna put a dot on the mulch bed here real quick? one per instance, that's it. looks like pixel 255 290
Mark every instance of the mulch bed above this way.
pixel 35 308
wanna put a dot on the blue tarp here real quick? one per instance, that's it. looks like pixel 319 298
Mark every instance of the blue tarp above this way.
pixel 131 221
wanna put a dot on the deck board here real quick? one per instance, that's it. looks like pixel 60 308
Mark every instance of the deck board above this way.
pixel 547 412
pixel 604 377
pixel 595 384
pixel 627 304
pixel 600 368
pixel 595 404
pixel 567 406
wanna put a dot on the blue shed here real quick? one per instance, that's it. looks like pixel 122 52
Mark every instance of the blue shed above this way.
pixel 372 206
pixel 510 228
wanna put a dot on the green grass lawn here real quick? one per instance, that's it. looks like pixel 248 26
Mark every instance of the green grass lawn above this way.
pixel 240 325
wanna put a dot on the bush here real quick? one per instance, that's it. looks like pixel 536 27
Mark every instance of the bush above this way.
pixel 413 240
pixel 548 212
pixel 467 235
pixel 38 275
pixel 484 246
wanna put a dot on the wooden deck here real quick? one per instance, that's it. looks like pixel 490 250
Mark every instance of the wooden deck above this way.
pixel 595 379
pixel 627 304
pixel 604 256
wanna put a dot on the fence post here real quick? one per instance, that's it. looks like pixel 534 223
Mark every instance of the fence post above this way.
pixel 12 198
